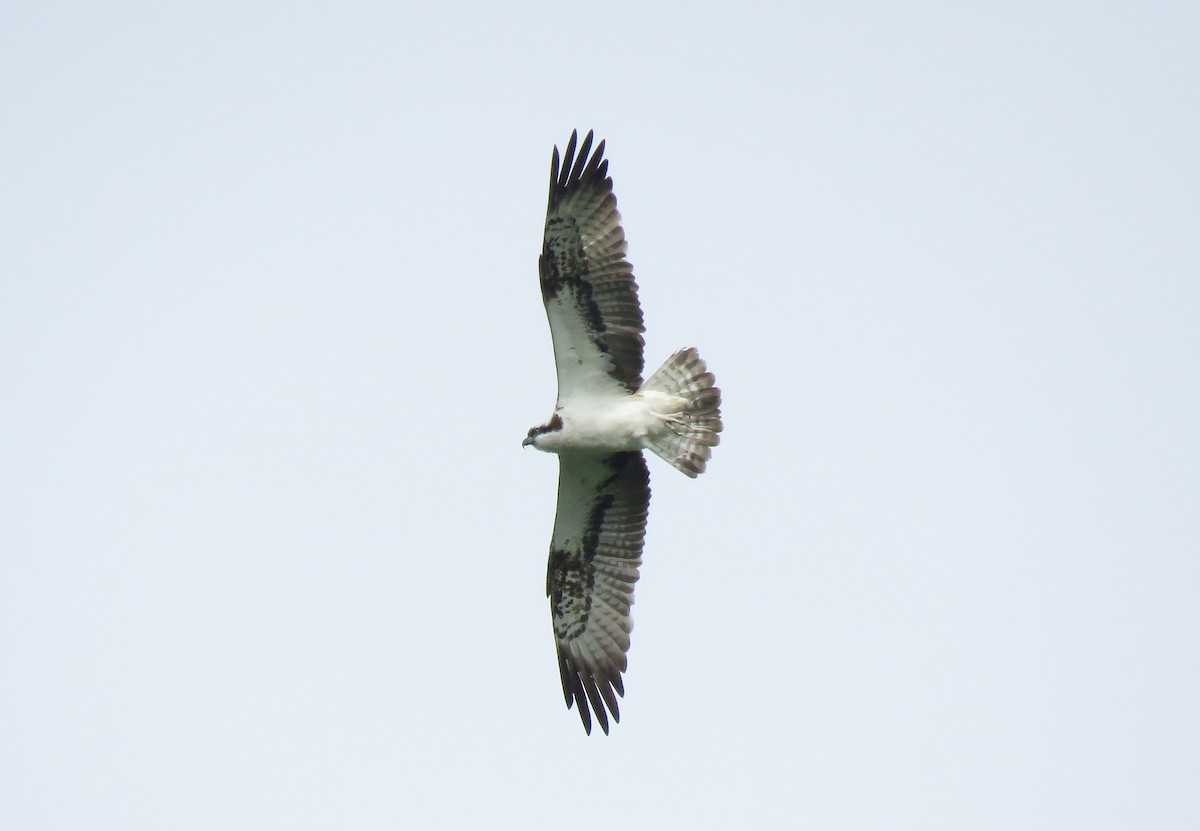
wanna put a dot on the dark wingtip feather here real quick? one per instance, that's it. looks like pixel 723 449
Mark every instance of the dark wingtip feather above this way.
pixel 578 161
pixel 593 694
pixel 569 156
pixel 574 693
pixel 610 700
pixel 554 164
pixel 588 694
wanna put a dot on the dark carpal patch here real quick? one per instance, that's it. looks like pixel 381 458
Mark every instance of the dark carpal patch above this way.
pixel 570 576
pixel 563 261
pixel 569 583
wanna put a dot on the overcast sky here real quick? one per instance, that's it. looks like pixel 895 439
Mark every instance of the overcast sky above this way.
pixel 272 556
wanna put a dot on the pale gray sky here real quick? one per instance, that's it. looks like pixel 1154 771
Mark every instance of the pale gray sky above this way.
pixel 271 554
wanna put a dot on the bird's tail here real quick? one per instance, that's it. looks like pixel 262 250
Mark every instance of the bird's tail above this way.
pixel 694 416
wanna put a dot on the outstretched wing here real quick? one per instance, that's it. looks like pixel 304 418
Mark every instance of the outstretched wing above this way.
pixel 594 557
pixel 587 284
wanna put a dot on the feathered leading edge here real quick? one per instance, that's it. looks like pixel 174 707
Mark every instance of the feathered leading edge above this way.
pixel 599 531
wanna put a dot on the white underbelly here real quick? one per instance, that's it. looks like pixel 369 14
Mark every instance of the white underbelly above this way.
pixel 606 426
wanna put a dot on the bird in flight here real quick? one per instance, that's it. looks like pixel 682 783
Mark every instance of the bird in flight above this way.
pixel 604 417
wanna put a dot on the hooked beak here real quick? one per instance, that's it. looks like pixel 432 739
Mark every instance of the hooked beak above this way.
pixel 528 441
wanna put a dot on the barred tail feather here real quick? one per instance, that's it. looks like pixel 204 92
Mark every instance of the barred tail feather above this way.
pixel 695 425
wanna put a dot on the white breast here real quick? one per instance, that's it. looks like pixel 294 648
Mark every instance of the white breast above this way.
pixel 610 424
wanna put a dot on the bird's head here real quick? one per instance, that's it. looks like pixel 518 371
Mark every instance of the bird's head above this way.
pixel 553 425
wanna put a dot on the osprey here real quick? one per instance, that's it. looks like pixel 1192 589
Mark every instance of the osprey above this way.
pixel 605 416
